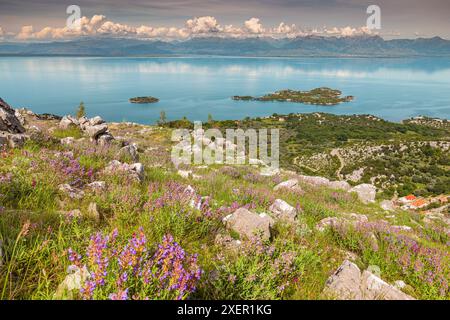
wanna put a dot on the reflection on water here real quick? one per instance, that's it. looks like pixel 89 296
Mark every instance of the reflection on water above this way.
pixel 391 88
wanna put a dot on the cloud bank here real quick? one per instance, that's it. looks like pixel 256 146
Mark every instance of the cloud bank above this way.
pixel 99 25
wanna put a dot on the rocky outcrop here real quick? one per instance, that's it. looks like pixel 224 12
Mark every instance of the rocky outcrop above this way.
pixel 291 184
pixel 71 192
pixel 348 283
pixel 324 182
pixel 283 210
pixel 96 128
pixel 345 220
pixel 366 192
pixel 248 224
pixel 12 131
pixel 8 119
pixel 387 205
pixel 130 152
pixel 135 170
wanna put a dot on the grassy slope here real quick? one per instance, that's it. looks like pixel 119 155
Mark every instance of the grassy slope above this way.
pixel 293 265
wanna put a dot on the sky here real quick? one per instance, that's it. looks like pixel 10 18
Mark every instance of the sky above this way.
pixel 23 20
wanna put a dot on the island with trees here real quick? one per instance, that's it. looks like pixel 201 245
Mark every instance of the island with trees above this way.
pixel 148 99
pixel 319 96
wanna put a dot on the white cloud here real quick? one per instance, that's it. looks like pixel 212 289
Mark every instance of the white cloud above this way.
pixel 346 31
pixel 198 26
pixel 26 33
pixel 203 25
pixel 254 26
pixel 1 32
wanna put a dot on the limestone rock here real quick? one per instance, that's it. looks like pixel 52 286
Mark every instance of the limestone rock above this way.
pixel 72 192
pixel 96 121
pixel 374 288
pixel 340 185
pixel 8 119
pixel 282 210
pixel 68 121
pixel 345 283
pixel 348 283
pixel 97 186
pixel 93 212
pixel 95 131
pixel 366 192
pixel 248 224
pixel 135 170
pixel 314 181
pixel 105 139
pixel 387 205
pixel 130 151
pixel 289 184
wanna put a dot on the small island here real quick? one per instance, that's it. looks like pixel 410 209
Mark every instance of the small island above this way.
pixel 319 96
pixel 148 99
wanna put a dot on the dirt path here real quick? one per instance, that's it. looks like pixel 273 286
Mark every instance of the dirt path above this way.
pixel 335 152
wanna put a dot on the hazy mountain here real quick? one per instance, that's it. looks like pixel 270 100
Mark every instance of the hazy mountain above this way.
pixel 301 46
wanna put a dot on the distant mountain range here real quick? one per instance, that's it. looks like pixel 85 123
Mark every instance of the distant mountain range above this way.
pixel 367 46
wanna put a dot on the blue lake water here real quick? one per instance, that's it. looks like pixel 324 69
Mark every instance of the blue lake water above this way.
pixel 393 89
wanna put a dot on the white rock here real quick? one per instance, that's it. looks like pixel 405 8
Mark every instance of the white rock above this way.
pixel 366 192
pixel 248 224
pixel 283 210
pixel 289 184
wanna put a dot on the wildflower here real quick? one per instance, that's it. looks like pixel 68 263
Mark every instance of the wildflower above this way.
pixel 120 295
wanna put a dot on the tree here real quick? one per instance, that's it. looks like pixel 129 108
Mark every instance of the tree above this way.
pixel 81 112
pixel 162 117
pixel 210 118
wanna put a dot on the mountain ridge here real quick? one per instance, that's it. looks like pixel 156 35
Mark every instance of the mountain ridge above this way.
pixel 364 46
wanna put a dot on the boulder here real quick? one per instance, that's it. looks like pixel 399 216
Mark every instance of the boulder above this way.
pixel 248 224
pixel 130 151
pixel 68 121
pixel 97 186
pixel 345 220
pixel 345 283
pixel 314 181
pixel 96 121
pixel 135 170
pixel 138 168
pixel 92 212
pixel 105 139
pixel 387 205
pixel 329 222
pixel 8 119
pixel 84 122
pixel 13 140
pixel 289 184
pixel 283 211
pixel 374 288
pixel 95 131
pixel 339 185
pixel 73 193
pixel 366 192
pixel 348 283
pixel 3 140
